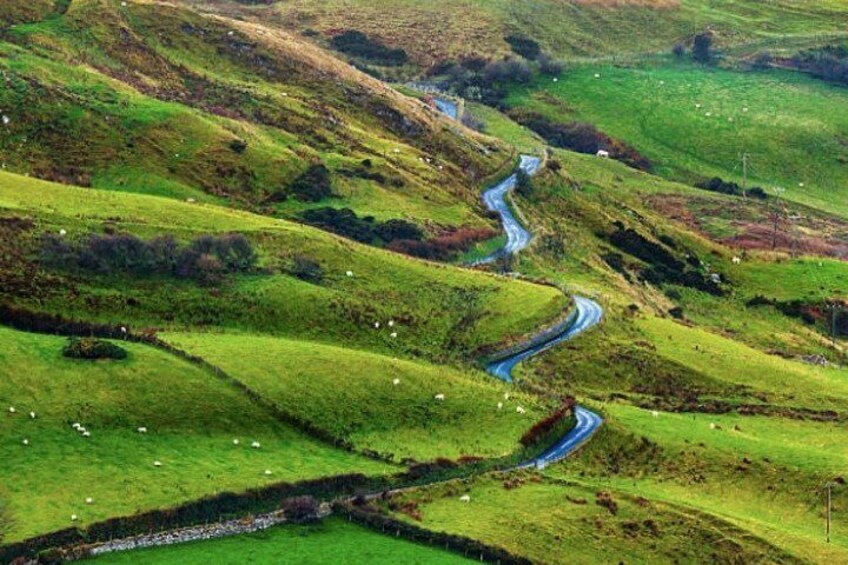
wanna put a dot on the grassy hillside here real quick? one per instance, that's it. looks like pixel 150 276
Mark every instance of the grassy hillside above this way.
pixel 333 539
pixel 694 123
pixel 156 99
pixel 191 416
pixel 434 31
pixel 351 395
pixel 484 309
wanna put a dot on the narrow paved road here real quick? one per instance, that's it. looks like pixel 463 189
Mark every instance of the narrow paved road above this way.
pixel 589 314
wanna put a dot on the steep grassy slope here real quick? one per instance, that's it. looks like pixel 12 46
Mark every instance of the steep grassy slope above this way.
pixel 191 416
pixel 442 312
pixel 157 99
pixel 441 29
pixel 328 541
pixel 694 123
pixel 351 395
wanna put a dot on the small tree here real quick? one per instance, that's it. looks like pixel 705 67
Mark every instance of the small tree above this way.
pixel 702 48
pixel 679 50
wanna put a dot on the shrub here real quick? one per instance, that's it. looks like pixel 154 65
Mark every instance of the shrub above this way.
pixel 549 66
pixel 301 509
pixel 357 44
pixel 307 270
pixel 679 50
pixel 391 230
pixel 312 186
pixel 524 46
pixel 523 184
pixel 702 47
pixel 238 146
pixel 91 348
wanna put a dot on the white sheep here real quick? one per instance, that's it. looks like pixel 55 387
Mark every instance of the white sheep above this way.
pixel 81 429
pixel 190 200
pixel 465 498
pixel 520 410
pixel 86 434
pixel 801 185
pixel 393 335
pixel 440 396
pixel 602 153
pixel 391 323
pixel 267 472
pixel 76 426
pixel 655 414
pixel 12 410
pixel 63 232
pixel 744 109
pixel 157 463
pixel 712 426
pixel 142 430
pixel 6 120
pixel 89 500
pixel 73 517
pixel 255 445
pixel 698 106
pixel 25 442
pixel 396 382
pixel 236 442
pixel 597 75
pixel 123 329
pixel 708 114
pixel 376 325
pixel 556 79
pixel 506 396
pixel 349 273
pixel 500 405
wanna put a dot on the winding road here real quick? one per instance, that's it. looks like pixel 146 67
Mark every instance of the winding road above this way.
pixel 589 314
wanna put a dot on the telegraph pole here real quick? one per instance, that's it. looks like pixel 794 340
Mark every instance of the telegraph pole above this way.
pixel 745 158
pixel 828 486
pixel 776 216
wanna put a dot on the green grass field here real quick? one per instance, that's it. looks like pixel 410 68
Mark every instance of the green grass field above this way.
pixel 333 540
pixel 350 394
pixel 695 123
pixel 191 416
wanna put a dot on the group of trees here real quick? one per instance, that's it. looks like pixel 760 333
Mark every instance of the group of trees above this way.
pixel 367 229
pixel 827 63
pixel 205 259
pixel 716 184
pixel 702 48
pixel 314 185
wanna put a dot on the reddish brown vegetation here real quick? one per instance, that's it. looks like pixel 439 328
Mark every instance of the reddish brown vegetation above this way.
pixel 444 246
pixel 542 428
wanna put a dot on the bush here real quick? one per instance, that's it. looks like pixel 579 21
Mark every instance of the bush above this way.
pixel 238 146
pixel 702 47
pixel 679 50
pixel 549 66
pixel 307 270
pixel 345 222
pixel 91 348
pixel 205 259
pixel 357 44
pixel 523 184
pixel 301 509
pixel 391 230
pixel 312 186
pixel 524 46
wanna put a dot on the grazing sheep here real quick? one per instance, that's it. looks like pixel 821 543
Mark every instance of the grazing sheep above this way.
pixel 89 500
pixel 712 426
pixel 506 396
pixel 393 335
pixel 708 114
pixel 6 120
pixel 698 106
pixel 376 325
pixel 655 414
pixel 440 397
pixel 556 79
pixel 76 426
pixel 142 430
pixel 744 109
pixel 396 382
pixel 255 445
pixel 236 442
pixel 602 153
pixel 500 405
pixel 349 273
pixel 12 410
pixel 597 75
pixel 157 463
pixel 268 472
pixel 520 410
pixel 123 329
pixel 63 232
pixel 737 260
pixel 86 434
pixel 801 184
pixel 191 200
pixel 25 442
pixel 465 498
pixel 32 414
pixel 391 323
pixel 73 517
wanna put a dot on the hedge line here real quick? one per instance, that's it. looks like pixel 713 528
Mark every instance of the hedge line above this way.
pixel 457 544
